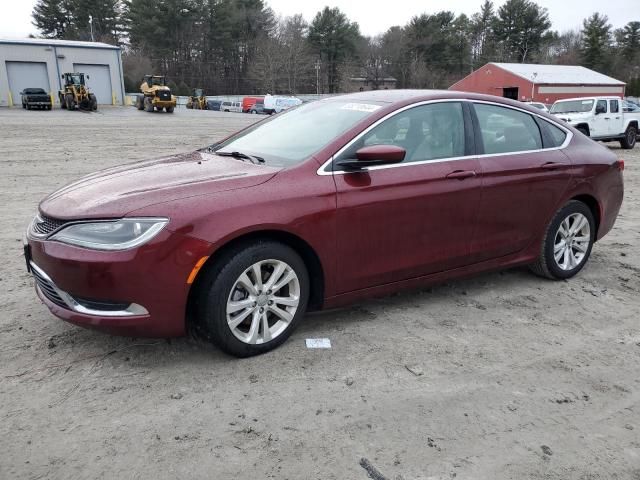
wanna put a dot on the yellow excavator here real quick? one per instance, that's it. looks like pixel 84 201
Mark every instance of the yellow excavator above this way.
pixel 197 101
pixel 155 95
pixel 75 93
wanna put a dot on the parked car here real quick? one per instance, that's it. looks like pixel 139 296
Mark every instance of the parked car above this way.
pixel 35 98
pixel 601 118
pixel 276 104
pixel 248 102
pixel 214 105
pixel 326 204
pixel 228 106
pixel 258 108
pixel 538 105
pixel 628 106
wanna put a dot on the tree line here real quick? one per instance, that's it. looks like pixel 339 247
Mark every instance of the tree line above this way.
pixel 242 46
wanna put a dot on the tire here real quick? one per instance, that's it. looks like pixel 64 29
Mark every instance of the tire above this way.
pixel 28 107
pixel 546 265
pixel 159 109
pixel 220 284
pixel 93 102
pixel 140 102
pixel 148 104
pixel 24 105
pixel 629 140
pixel 68 99
pixel 63 102
pixel 169 109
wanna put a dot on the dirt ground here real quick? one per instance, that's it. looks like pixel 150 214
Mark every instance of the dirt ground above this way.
pixel 504 376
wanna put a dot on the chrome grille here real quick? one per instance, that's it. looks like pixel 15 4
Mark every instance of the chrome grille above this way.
pixel 43 225
pixel 47 288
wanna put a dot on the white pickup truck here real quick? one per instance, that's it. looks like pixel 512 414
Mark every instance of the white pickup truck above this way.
pixel 601 118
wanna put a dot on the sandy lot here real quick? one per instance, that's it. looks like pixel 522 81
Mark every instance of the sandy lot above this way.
pixel 514 377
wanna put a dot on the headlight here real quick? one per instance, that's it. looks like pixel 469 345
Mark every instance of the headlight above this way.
pixel 111 235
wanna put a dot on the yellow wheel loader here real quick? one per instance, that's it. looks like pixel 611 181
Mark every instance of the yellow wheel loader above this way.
pixel 155 95
pixel 75 93
pixel 198 101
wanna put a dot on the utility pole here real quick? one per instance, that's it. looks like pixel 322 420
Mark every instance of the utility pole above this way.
pixel 318 77
pixel 533 84
pixel 91 27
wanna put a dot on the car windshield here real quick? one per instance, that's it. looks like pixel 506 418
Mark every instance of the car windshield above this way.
pixel 291 137
pixel 572 106
pixel 33 91
pixel 76 79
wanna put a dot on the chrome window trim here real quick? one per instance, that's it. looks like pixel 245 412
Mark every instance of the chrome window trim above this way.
pixel 322 170
pixel 131 310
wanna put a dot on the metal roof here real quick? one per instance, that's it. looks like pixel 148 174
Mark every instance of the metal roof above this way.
pixel 57 43
pixel 557 74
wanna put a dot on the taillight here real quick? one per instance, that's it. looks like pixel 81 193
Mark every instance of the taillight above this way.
pixel 620 164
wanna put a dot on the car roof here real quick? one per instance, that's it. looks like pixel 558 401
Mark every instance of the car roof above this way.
pixel 603 97
pixel 397 98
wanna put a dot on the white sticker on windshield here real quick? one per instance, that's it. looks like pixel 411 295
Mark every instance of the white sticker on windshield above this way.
pixel 586 102
pixel 360 107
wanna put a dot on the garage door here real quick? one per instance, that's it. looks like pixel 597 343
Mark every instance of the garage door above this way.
pixel 26 75
pixel 99 81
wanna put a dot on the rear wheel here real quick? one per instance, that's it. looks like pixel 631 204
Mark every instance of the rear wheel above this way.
pixel 169 109
pixel 148 104
pixel 93 102
pixel 567 243
pixel 63 102
pixel 140 102
pixel 252 298
pixel 68 99
pixel 629 140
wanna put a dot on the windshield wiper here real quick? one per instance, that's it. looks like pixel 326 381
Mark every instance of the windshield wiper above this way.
pixel 242 156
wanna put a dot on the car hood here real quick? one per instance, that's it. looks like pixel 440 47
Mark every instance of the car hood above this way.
pixel 573 116
pixel 115 192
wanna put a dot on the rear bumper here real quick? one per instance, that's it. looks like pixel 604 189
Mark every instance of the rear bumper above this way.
pixel 147 285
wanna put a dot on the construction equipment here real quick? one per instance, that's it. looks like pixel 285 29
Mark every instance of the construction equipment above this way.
pixel 197 101
pixel 155 95
pixel 75 93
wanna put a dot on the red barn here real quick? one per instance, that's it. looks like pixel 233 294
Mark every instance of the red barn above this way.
pixel 538 83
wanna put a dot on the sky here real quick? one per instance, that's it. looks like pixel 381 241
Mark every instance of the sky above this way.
pixel 375 17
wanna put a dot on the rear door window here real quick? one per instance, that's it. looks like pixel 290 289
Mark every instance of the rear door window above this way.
pixel 505 130
pixel 614 106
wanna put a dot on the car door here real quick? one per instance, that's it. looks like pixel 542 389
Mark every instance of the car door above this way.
pixel 414 218
pixel 524 175
pixel 616 122
pixel 599 126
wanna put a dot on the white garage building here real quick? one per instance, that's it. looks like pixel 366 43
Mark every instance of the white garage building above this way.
pixel 41 62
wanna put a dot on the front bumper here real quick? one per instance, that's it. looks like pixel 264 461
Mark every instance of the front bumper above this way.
pixel 139 292
pixel 38 104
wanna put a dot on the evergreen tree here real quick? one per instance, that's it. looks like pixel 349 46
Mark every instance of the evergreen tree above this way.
pixel 52 17
pixel 520 27
pixel 596 43
pixel 333 38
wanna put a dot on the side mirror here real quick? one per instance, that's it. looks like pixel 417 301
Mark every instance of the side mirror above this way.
pixel 374 155
pixel 600 109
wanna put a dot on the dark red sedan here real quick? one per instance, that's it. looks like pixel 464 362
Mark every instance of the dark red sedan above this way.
pixel 336 200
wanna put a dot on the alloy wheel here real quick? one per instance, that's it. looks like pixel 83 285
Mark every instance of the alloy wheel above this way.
pixel 263 301
pixel 572 241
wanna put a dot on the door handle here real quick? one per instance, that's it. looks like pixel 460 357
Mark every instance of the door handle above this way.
pixel 462 174
pixel 607 118
pixel 552 165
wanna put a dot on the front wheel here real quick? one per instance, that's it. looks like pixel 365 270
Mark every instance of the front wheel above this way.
pixel 567 243
pixel 629 139
pixel 252 298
